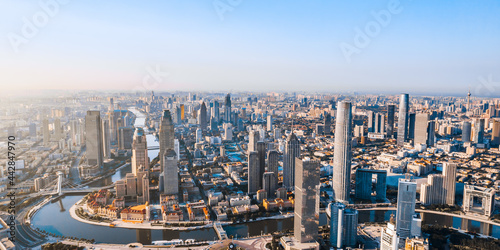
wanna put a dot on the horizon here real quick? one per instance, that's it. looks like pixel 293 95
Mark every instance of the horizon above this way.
pixel 379 47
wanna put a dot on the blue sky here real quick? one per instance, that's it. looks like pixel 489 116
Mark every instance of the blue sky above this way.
pixel 426 47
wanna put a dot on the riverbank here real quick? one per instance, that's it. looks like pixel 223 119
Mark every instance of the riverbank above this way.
pixel 121 224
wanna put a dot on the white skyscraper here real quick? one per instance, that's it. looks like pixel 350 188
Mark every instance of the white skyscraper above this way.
pixel 342 153
pixel 407 191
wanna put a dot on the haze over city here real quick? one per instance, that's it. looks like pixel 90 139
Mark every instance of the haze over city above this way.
pixel 421 47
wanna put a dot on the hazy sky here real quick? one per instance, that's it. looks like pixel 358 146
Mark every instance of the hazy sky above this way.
pixel 261 45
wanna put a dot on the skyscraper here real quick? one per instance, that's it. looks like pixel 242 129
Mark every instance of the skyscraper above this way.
pixel 269 123
pixel 407 190
pixel 432 192
pixel 216 112
pixel 449 181
pixel 261 151
pixel 306 219
pixel 32 130
pixel 478 135
pixel 227 109
pixel 343 225
pixel 327 129
pixel 342 153
pixel 379 124
pixel 93 138
pixel 403 119
pixel 292 150
pixel 269 183
pixel 253 138
pixel 170 172
pixel 203 117
pixel 495 132
pixel 58 133
pixel 106 140
pixel 272 162
pixel 411 126
pixel 466 131
pixel 390 120
pixel 166 135
pixel 422 129
pixel 140 158
pixel 46 132
pixel 253 172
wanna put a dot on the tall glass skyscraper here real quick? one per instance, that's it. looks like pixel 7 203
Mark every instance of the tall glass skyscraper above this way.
pixel 404 107
pixel 93 138
pixel 390 120
pixel 407 191
pixel 306 219
pixel 167 135
pixel 342 153
pixel 292 150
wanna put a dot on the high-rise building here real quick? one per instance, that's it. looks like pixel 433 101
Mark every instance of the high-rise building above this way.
pixel 140 158
pixel 306 219
pixel 379 125
pixel 272 162
pixel 106 140
pixel 292 150
pixel 166 135
pixel 424 130
pixel 466 131
pixel 432 191
pixel 58 133
pixel 404 107
pixel 390 120
pixel 253 138
pixel 261 152
pixel 478 130
pixel 202 117
pixel 327 129
pixel 343 225
pixel 449 181
pixel 269 123
pixel 216 112
pixel 125 137
pixel 371 121
pixel 183 112
pixel 227 109
pixel 253 172
pixel 46 132
pixel 199 135
pixel 411 125
pixel 269 183
pixel 228 131
pixel 407 190
pixel 93 138
pixel 170 172
pixel 495 133
pixel 32 130
pixel 342 153
pixel 364 184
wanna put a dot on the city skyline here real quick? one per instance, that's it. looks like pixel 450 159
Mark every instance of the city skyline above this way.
pixel 197 46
